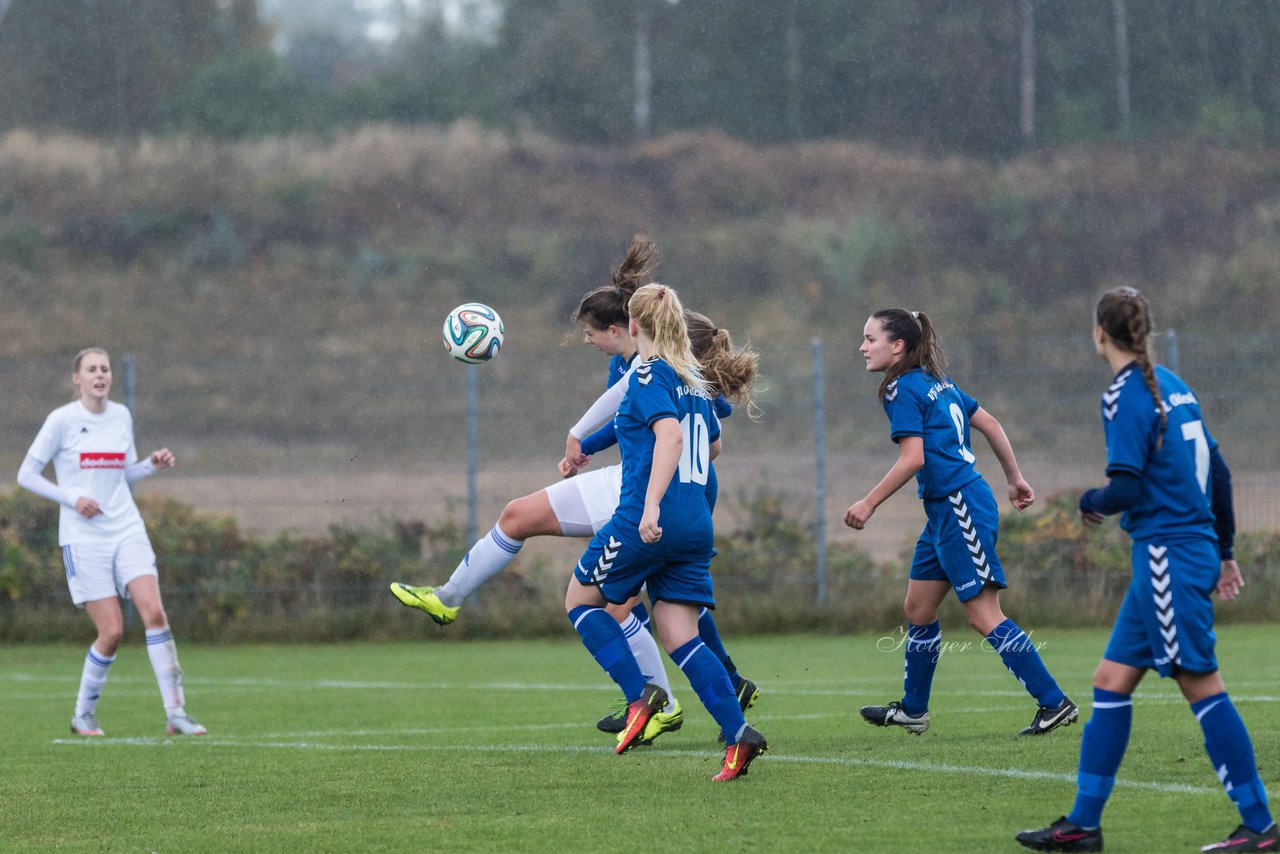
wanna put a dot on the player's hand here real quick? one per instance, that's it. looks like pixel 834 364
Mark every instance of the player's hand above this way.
pixel 1021 495
pixel 1091 519
pixel 569 467
pixel 649 530
pixel 573 449
pixel 856 516
pixel 1230 581
pixel 163 459
pixel 87 507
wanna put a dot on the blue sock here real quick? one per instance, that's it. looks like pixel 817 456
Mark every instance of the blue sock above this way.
pixel 1020 656
pixel 923 645
pixel 710 682
pixel 710 635
pixel 1230 750
pixel 1106 736
pixel 603 638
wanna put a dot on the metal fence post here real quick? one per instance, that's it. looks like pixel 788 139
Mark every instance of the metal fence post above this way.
pixel 128 365
pixel 472 453
pixel 1171 350
pixel 820 471
pixel 130 384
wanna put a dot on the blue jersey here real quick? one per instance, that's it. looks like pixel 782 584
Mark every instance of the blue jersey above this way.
pixel 606 437
pixel 937 411
pixel 1175 478
pixel 618 366
pixel 655 392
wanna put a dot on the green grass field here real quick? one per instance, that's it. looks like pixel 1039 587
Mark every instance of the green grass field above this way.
pixel 491 746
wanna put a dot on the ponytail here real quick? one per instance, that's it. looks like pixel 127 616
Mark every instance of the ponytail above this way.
pixel 657 311
pixel 727 371
pixel 606 306
pixel 1125 315
pixel 921 348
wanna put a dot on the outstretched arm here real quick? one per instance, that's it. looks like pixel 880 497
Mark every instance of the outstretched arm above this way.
pixel 604 408
pixel 910 461
pixel 596 416
pixel 1021 495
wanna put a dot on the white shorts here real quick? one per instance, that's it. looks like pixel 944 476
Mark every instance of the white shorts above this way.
pixel 104 570
pixel 584 502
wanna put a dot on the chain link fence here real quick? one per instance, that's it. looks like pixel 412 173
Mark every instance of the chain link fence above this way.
pixel 300 442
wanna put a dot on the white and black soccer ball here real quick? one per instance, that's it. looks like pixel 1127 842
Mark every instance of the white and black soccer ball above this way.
pixel 473 333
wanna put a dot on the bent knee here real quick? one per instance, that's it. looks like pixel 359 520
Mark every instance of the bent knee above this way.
pixel 109 638
pixel 525 517
pixel 919 614
pixel 985 624
pixel 1116 678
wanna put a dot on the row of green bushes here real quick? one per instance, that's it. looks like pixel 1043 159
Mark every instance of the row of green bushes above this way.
pixel 222 586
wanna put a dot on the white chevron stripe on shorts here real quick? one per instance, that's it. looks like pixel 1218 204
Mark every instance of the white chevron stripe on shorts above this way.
pixel 1162 594
pixel 970 531
pixel 608 554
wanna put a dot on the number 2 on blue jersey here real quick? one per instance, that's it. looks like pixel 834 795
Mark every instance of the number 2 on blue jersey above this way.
pixel 695 462
pixel 957 415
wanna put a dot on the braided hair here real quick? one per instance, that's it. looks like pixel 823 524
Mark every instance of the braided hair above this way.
pixel 921 351
pixel 1123 313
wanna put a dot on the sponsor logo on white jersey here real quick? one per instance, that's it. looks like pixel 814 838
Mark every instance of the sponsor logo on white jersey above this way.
pixel 101 460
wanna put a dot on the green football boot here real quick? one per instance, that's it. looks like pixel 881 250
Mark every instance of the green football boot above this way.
pixel 425 599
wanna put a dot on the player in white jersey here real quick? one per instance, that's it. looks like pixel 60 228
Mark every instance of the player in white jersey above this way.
pixel 105 547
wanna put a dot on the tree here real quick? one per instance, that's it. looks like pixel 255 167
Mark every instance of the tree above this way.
pixel 1027 75
pixel 568 67
pixel 1120 17
pixel 106 66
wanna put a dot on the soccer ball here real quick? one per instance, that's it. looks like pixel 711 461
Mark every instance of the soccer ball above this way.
pixel 473 333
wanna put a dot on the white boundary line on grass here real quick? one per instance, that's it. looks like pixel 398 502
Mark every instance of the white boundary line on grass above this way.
pixel 785 690
pixel 848 762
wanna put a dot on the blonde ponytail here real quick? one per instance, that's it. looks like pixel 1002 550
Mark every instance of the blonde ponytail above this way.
pixel 657 312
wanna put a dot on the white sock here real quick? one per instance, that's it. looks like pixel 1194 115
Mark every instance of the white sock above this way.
pixel 92 678
pixel 489 556
pixel 164 661
pixel 648 656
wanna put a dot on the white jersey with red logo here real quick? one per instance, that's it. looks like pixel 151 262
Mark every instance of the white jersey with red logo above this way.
pixel 90 453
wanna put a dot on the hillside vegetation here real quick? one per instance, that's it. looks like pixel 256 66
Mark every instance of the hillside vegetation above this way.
pixel 286 291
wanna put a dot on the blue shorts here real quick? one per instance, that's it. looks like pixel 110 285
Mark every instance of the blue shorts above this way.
pixel 958 543
pixel 677 568
pixel 1166 619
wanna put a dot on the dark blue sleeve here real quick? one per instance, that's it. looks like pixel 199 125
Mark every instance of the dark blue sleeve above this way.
pixel 722 407
pixel 605 437
pixel 1224 511
pixel 1120 494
